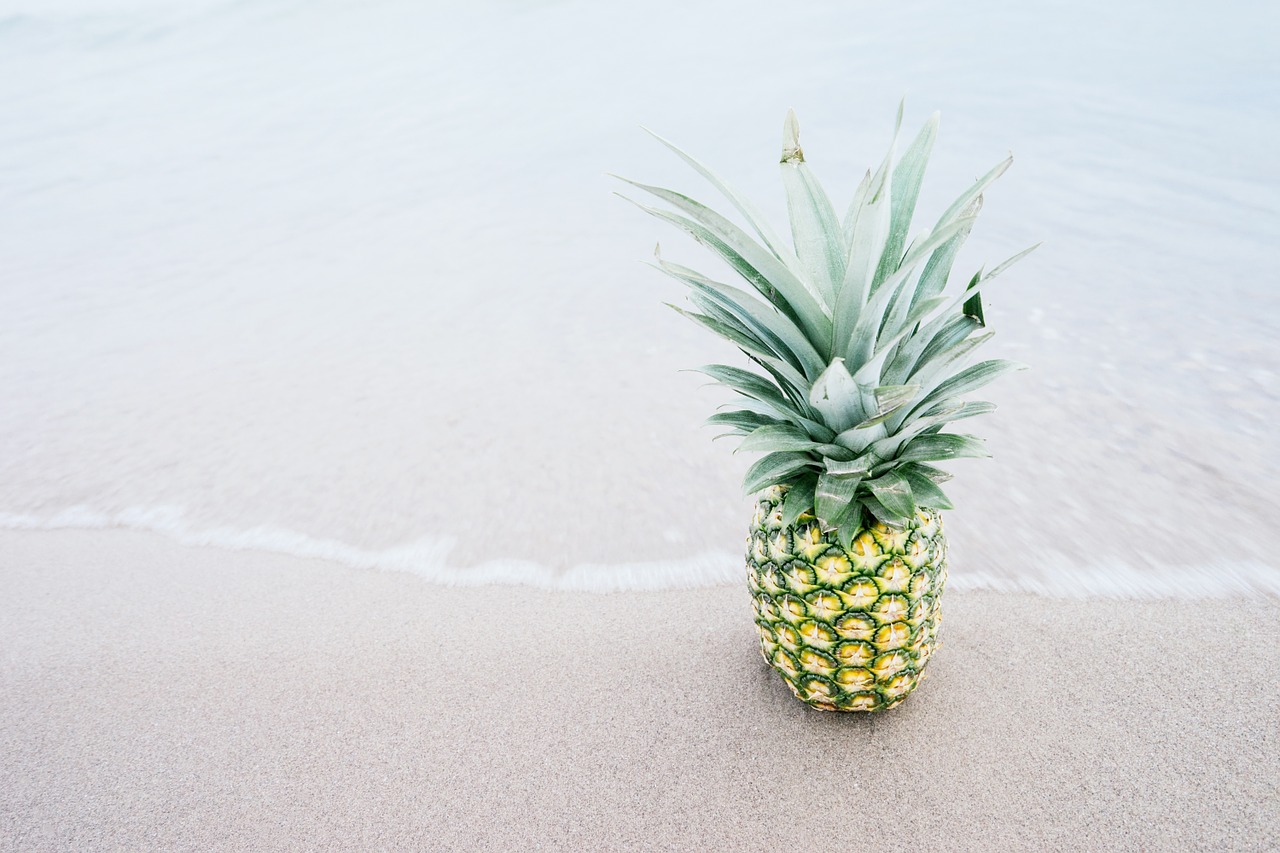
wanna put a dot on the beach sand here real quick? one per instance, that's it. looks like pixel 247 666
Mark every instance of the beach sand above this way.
pixel 158 697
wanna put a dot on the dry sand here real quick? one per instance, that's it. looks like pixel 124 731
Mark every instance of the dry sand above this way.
pixel 155 697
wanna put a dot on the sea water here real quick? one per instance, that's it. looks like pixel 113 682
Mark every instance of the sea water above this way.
pixel 349 280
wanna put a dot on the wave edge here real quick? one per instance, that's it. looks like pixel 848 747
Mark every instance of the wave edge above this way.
pixel 427 558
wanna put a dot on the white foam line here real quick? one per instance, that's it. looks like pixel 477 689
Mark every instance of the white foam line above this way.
pixel 1056 577
pixel 427 557
pixel 1119 581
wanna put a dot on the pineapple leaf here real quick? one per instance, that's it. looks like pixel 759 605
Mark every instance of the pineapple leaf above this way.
pixel 907 177
pixel 799 499
pixel 814 227
pixel 837 397
pixel 857 468
pixel 728 331
pixel 933 419
pixel 952 333
pixel 928 373
pixel 879 512
pixel 787 377
pixel 937 270
pixel 868 222
pixel 900 303
pixel 747 383
pixel 942 446
pixel 859 200
pixel 979 279
pixel 870 226
pixel 835 451
pixel 741 420
pixel 771 326
pixel 861 344
pixel 819 432
pixel 749 259
pixel 969 379
pixel 936 475
pixel 968 196
pixel 774 468
pixel 883 347
pixel 973 308
pixel 858 439
pixel 893 491
pixel 924 490
pixel 775 437
pixel 906 354
pixel 909 352
pixel 849 523
pixel 744 336
pixel 951 410
pixel 832 496
pixel 1004 265
pixel 748 210
pixel 889 399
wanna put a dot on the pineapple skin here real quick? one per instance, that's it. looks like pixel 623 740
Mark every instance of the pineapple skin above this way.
pixel 847 630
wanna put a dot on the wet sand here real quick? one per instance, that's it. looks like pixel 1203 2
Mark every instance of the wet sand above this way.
pixel 157 697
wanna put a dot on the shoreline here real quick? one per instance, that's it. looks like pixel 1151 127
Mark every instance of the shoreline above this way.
pixel 427 558
pixel 156 696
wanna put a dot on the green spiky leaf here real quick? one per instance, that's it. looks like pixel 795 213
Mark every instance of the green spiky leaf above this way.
pixel 857 468
pixel 950 410
pixel 879 512
pixel 973 309
pixel 776 437
pixel 775 329
pixel 848 523
pixel 946 339
pixel 747 383
pixel 748 210
pixel 967 198
pixel 1004 265
pixel 746 421
pixel 889 399
pixel 942 446
pixel 971 379
pixel 924 489
pixel 749 259
pixel 861 342
pixel 858 345
pixel 814 226
pixel 728 331
pixel 837 397
pixel 935 475
pixel 833 495
pixel 907 178
pixel 893 491
pixel 774 468
pixel 799 499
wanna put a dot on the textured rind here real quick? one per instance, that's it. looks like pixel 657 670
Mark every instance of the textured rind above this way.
pixel 847 630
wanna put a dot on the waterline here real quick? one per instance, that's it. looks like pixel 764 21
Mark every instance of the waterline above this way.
pixel 428 558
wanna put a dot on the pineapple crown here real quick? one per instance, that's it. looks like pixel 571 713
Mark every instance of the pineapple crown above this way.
pixel 861 350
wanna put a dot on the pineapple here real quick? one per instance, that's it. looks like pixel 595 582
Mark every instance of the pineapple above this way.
pixel 861 359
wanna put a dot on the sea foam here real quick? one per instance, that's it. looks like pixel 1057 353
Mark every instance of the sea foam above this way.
pixel 428 558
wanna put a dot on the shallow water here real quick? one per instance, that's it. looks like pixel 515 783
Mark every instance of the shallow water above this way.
pixel 348 280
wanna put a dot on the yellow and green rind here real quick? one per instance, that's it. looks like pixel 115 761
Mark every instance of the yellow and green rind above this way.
pixel 848 630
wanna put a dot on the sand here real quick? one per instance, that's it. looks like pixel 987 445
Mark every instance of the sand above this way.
pixel 157 697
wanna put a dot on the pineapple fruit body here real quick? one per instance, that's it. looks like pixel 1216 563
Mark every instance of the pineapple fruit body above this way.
pixel 848 630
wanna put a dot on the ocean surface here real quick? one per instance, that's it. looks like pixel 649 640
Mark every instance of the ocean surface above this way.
pixel 348 280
